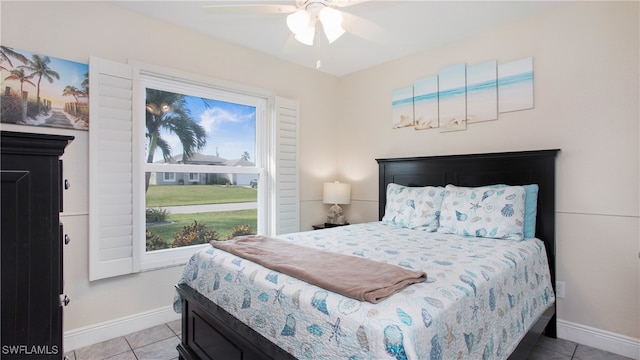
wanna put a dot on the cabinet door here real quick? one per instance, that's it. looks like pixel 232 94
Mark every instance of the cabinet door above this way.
pixel 31 245
pixel 15 254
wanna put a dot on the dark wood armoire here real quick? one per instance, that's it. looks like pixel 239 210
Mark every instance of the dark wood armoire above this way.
pixel 31 239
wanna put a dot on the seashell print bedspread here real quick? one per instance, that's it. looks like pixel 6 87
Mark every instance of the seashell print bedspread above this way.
pixel 480 298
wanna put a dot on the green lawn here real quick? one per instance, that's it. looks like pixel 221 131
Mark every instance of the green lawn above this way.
pixel 222 221
pixel 174 195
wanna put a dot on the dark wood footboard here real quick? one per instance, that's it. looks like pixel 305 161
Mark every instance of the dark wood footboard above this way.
pixel 209 332
pixel 546 325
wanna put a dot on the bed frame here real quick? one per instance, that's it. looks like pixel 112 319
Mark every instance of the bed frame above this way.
pixel 209 332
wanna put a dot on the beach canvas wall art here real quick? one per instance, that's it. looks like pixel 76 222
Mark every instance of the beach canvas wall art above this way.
pixel 39 90
pixel 452 98
pixel 482 92
pixel 425 102
pixel 402 107
pixel 515 85
pixel 459 95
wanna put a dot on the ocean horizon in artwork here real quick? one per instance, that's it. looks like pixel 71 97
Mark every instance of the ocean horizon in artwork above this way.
pixel 452 84
pixel 515 85
pixel 402 107
pixel 426 103
pixel 482 92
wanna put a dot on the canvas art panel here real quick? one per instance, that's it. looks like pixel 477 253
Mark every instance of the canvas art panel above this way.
pixel 39 90
pixel 425 102
pixel 402 107
pixel 459 95
pixel 482 92
pixel 452 98
pixel 515 85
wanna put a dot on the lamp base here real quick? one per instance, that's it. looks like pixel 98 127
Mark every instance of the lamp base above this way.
pixel 329 225
pixel 336 216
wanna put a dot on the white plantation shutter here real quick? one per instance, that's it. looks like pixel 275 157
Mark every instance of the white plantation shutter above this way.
pixel 111 243
pixel 116 216
pixel 287 199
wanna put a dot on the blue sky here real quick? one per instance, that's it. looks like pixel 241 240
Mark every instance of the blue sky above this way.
pixel 231 128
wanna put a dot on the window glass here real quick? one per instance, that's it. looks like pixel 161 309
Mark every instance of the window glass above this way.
pixel 202 167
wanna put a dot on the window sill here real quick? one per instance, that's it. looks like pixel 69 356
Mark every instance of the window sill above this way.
pixel 160 259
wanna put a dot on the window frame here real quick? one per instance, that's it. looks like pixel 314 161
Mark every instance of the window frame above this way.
pixel 165 79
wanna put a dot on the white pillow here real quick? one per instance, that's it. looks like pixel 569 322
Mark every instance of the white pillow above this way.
pixel 483 212
pixel 413 207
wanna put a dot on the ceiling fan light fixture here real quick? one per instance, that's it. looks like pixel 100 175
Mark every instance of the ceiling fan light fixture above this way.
pixel 331 20
pixel 307 35
pixel 333 32
pixel 298 21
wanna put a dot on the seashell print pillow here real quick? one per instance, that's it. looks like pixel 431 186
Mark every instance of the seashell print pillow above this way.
pixel 483 212
pixel 413 207
pixel 530 209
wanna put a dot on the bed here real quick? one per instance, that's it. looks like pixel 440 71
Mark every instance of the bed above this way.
pixel 280 317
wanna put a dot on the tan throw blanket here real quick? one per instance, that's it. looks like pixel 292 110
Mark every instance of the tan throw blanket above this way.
pixel 351 276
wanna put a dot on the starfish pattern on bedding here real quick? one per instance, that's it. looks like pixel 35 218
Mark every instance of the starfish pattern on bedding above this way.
pixel 279 296
pixel 336 331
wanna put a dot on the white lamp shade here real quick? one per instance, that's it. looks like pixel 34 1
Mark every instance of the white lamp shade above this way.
pixel 333 33
pixel 331 20
pixel 337 193
pixel 301 25
pixel 307 35
pixel 298 21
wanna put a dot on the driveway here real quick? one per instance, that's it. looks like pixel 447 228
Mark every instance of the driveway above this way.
pixel 189 209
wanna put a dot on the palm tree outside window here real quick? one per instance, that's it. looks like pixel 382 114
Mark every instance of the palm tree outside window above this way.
pixel 198 167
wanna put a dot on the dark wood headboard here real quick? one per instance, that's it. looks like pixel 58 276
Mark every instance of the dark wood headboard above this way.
pixel 510 168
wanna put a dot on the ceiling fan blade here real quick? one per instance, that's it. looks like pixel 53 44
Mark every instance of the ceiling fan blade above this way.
pixel 345 3
pixel 235 9
pixel 364 29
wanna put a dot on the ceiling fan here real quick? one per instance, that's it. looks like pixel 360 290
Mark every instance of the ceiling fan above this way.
pixel 303 16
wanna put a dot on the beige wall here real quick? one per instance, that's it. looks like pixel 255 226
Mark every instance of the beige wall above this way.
pixel 76 30
pixel 586 103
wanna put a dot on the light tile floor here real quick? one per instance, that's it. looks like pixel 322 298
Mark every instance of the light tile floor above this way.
pixel 159 343
pixel 155 343
pixel 558 349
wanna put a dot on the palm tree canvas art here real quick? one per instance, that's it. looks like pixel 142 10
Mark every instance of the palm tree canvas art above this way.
pixel 40 90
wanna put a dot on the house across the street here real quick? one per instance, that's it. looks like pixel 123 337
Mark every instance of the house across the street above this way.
pixel 173 178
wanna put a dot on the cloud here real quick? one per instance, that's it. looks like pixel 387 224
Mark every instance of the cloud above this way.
pixel 230 130
pixel 212 118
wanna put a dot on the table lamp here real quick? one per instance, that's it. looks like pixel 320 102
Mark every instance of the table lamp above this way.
pixel 336 193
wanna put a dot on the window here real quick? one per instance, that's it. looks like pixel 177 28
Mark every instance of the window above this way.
pixel 169 177
pixel 118 168
pixel 194 177
pixel 213 141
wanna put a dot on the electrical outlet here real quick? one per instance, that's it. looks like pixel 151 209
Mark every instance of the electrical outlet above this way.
pixel 560 289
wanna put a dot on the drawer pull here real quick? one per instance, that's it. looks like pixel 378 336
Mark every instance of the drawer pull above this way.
pixel 64 300
pixel 67 239
pixel 67 184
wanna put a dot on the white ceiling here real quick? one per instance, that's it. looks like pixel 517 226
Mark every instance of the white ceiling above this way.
pixel 377 31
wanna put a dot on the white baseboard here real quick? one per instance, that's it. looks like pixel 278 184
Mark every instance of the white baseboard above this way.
pixel 599 339
pixel 92 334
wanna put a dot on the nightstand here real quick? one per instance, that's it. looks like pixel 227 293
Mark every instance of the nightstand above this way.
pixel 326 226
